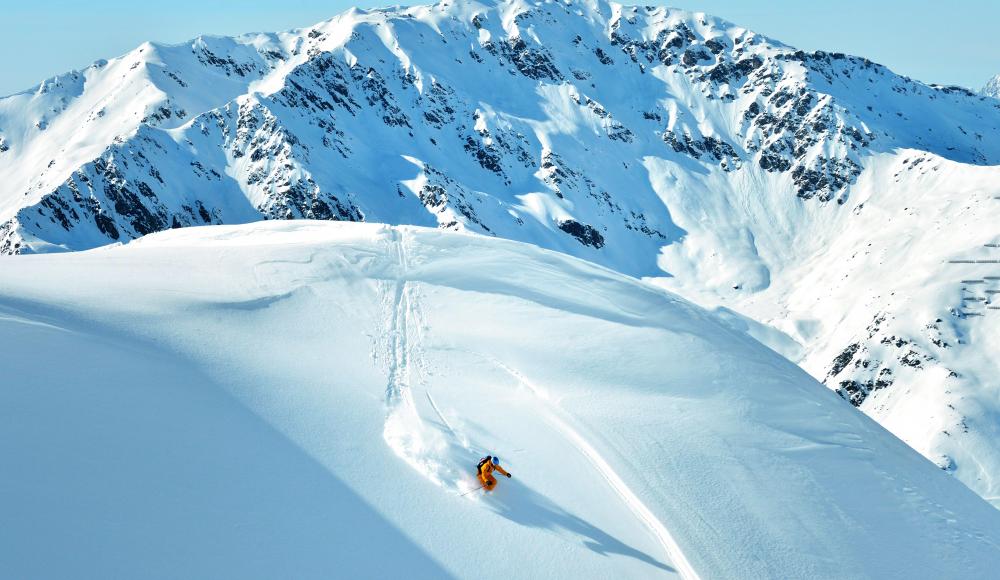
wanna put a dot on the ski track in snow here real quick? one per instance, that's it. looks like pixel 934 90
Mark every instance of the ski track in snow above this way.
pixel 409 437
pixel 437 410
pixel 634 504
pixel 406 431
pixel 7 315
pixel 398 396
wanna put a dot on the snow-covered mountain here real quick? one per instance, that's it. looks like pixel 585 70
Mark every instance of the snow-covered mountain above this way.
pixel 547 122
pixel 308 399
pixel 992 88
pixel 819 198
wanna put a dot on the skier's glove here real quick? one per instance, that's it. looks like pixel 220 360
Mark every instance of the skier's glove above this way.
pixel 508 476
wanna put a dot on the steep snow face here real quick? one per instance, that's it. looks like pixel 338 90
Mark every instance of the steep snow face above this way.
pixel 893 304
pixel 817 197
pixel 307 398
pixel 992 88
pixel 48 133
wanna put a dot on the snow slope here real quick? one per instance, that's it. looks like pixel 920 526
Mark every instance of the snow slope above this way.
pixel 892 303
pixel 307 399
pixel 819 198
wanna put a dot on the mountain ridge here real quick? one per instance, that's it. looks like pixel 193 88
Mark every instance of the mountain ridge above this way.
pixel 246 61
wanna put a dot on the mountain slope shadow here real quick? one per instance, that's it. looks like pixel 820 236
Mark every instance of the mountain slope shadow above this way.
pixel 124 461
pixel 519 503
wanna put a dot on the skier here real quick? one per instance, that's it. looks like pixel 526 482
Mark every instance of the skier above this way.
pixel 485 469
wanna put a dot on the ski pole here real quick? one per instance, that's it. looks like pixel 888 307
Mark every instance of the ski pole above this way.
pixel 472 490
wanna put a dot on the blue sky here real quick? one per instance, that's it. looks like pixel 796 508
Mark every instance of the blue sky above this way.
pixel 916 38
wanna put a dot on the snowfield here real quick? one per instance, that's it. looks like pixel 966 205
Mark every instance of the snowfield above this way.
pixel 308 399
pixel 817 199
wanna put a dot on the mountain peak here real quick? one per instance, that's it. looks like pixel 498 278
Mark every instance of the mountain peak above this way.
pixel 992 88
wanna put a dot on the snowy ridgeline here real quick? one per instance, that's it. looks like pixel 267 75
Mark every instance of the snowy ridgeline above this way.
pixel 309 399
pixel 545 122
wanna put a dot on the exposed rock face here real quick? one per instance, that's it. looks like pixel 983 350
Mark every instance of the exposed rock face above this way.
pixel 992 88
pixel 495 102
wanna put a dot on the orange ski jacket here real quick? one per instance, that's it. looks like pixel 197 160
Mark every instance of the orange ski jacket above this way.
pixel 488 467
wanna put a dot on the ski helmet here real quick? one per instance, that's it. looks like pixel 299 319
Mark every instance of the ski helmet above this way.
pixel 496 460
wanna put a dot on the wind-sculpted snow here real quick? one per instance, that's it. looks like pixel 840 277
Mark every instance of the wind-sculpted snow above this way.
pixel 308 399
